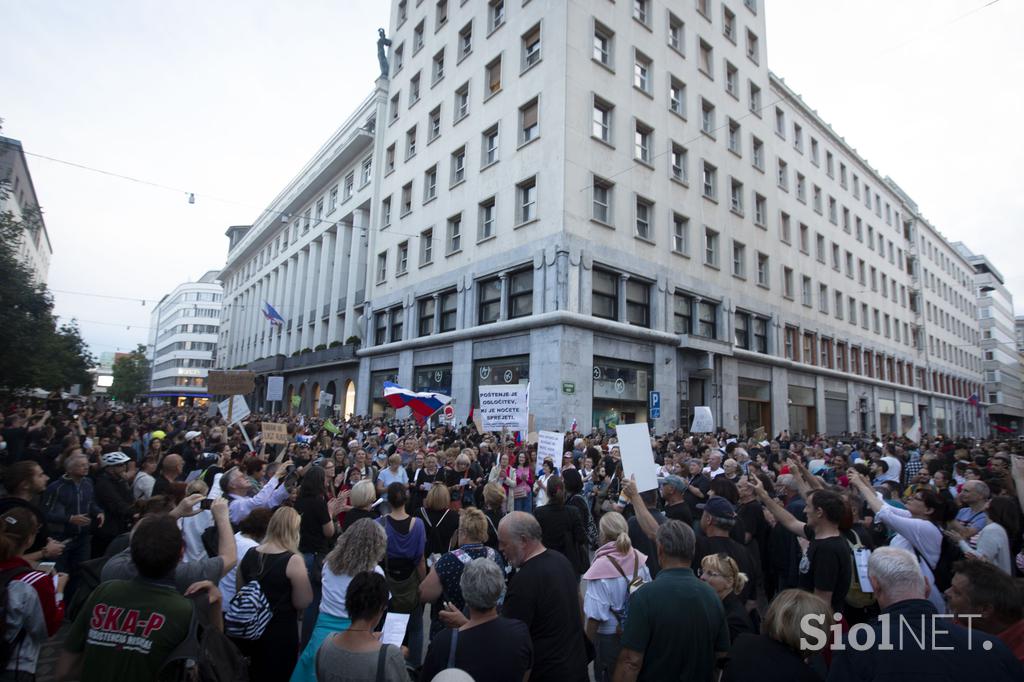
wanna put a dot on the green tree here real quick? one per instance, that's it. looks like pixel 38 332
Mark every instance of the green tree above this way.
pixel 131 375
pixel 34 352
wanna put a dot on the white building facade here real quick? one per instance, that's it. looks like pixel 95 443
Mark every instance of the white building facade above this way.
pixel 608 199
pixel 1004 388
pixel 184 328
pixel 19 197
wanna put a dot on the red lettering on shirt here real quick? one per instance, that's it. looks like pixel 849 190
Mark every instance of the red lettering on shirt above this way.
pixel 131 621
pixel 155 622
pixel 113 615
pixel 97 615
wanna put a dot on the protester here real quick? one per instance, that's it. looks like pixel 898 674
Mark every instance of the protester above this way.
pixel 361 501
pixel 523 492
pixel 717 523
pixel 241 500
pixel 504 475
pixel 315 531
pixel 250 533
pixel 937 649
pixel 495 506
pixel 142 484
pixel 356 653
pixel 722 573
pixel 676 626
pixel 488 646
pixel 24 482
pixel 561 526
pixel 992 543
pixel 985 597
pixel 114 498
pixel 358 550
pixel 778 653
pixel 441 522
pixel 617 571
pixel 278 566
pixel 405 566
pixel 70 504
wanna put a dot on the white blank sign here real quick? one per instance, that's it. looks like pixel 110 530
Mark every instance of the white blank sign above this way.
pixel 637 456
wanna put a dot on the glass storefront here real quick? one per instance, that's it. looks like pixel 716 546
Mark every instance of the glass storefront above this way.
pixel 620 392
pixel 500 372
pixel 940 419
pixel 378 406
pixel 906 416
pixel 433 378
pixel 755 406
pixel 886 415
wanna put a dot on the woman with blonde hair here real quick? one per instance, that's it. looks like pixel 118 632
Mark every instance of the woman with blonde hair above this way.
pixel 281 572
pixel 776 655
pixel 722 574
pixel 616 572
pixel 359 549
pixel 360 503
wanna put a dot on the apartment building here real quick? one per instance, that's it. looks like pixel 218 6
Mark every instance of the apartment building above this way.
pixel 18 196
pixel 1004 390
pixel 605 199
pixel 183 339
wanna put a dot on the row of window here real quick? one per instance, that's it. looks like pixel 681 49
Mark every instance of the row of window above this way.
pixel 188 329
pixel 182 362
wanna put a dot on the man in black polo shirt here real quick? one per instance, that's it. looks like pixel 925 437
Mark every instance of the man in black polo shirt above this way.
pixel 829 565
pixel 676 625
pixel 697 487
pixel 673 491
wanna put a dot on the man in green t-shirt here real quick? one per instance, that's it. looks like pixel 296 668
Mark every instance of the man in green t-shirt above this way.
pixel 676 626
pixel 127 628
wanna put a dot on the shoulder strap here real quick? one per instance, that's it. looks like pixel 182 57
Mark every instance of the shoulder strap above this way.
pixel 452 648
pixel 617 567
pixel 382 662
pixel 426 519
pixel 636 566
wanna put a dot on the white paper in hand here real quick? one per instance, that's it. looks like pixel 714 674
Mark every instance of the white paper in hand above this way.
pixel 703 420
pixel 637 456
pixel 394 628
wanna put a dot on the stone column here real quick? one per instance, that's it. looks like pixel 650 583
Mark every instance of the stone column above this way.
pixel 323 291
pixel 309 294
pixel 780 400
pixel 356 270
pixel 503 311
pixel 621 314
pixel 342 242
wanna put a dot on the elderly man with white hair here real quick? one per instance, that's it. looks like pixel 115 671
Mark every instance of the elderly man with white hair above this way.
pixel 910 639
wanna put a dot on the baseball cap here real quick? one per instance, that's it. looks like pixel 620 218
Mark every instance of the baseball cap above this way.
pixel 193 434
pixel 719 507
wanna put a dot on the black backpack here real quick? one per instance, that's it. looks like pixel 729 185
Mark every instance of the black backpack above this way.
pixel 7 648
pixel 949 554
pixel 89 579
pixel 206 654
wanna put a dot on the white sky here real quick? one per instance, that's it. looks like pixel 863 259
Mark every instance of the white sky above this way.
pixel 229 99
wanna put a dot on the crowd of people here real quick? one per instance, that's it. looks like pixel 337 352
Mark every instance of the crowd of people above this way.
pixel 382 549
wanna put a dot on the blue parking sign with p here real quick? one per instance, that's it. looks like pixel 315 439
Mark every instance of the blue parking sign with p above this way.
pixel 654 403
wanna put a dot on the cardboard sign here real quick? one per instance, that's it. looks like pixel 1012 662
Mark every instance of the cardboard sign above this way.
pixel 549 444
pixel 234 409
pixel 275 389
pixel 230 382
pixel 504 407
pixel 637 455
pixel 703 420
pixel 274 434
pixel 326 399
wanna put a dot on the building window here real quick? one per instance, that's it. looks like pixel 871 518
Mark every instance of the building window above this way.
pixel 520 294
pixel 402 263
pixel 440 14
pixel 780 123
pixel 805 291
pixel 332 200
pixel 706 59
pixel 426 247
pixel 677 96
pixel 414 90
pixel 434 123
pixel 641 72
pixel 739 260
pixel 462 102
pixel 487 215
pixel 733 140
pixel 792 349
pixel 410 144
pixel 350 184
pixel 735 196
pixel 389 159
pixel 763 270
pixel 449 306
pixel 710 247
pixel 642 142
pixel 490 301
pixel 741 330
pixel 430 184
pixel 753 50
pixel 728 24
pixel 732 80
pixel 531 47
pixel 603 44
pixel 496 14
pixel 529 129
pixel 605 294
pixel 709 181
pixel 394 106
pixel 823 298
pixel 602 204
pixel 707 319
pixel 783 175
pixel 427 306
pixel 385 211
pixel 676 32
pixel 454 234
pixel 380 328
pixel 755 99
pixel 757 152
pixel 680 162
pixel 644 217
pixel 526 201
pixel 458 166
pixel 798 138
pixel 465 41
pixel 406 199
pixel 681 313
pixel 492 76
pixel 638 303
pixel 787 282
pixel 760 210
pixel 382 266
pixel 707 117
pixel 490 146
pixel 680 234
pixel 437 69
pixel 602 120
pixel 642 11
pixel 417 37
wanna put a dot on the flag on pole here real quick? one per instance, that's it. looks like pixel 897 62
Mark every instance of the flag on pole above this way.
pixel 574 425
pixel 423 403
pixel 331 428
pixel 272 315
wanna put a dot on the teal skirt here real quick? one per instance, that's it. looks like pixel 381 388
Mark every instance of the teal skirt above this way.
pixel 305 669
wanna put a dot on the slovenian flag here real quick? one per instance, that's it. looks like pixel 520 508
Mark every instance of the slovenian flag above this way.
pixel 423 404
pixel 574 425
pixel 272 315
